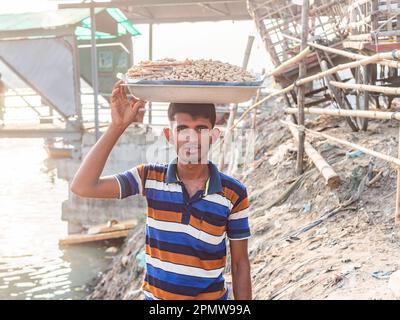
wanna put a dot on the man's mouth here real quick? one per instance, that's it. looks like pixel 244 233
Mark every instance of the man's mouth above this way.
pixel 191 148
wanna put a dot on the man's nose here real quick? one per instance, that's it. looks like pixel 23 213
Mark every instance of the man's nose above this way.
pixel 191 136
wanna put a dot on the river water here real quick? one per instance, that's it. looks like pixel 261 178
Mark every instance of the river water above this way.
pixel 32 266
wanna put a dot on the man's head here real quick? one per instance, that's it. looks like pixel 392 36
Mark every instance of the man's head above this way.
pixel 192 130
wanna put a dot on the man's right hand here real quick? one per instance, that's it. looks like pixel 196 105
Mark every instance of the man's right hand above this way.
pixel 123 111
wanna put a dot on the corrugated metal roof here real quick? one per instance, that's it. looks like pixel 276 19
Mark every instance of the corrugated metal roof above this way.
pixel 79 18
pixel 166 11
pixel 42 20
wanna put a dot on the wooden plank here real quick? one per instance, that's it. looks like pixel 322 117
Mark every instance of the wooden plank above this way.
pixel 84 238
pixel 110 226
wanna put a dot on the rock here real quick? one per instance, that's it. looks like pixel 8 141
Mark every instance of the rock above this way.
pixel 357 265
pixel 332 242
pixel 394 283
pixel 124 261
pixel 347 269
pixel 354 154
pixel 112 250
pixel 307 207
pixel 314 246
pixel 321 231
pixel 133 294
pixel 280 152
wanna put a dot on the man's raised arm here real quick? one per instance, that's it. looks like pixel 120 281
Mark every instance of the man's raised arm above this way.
pixel 87 181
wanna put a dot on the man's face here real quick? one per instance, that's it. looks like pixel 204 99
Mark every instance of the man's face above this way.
pixel 191 137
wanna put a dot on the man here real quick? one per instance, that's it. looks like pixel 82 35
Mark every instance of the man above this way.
pixel 192 206
pixel 3 90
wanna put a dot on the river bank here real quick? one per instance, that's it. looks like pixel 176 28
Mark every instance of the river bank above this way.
pixel 309 241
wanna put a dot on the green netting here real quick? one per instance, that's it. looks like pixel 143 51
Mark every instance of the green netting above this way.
pixel 82 33
pixel 124 26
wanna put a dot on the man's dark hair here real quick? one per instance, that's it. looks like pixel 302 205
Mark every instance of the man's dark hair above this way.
pixel 204 110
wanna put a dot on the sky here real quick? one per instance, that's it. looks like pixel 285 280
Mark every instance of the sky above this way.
pixel 223 40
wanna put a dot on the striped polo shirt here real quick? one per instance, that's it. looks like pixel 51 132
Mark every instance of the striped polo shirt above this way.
pixel 185 250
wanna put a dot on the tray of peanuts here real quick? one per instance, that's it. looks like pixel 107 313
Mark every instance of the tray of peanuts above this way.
pixel 190 81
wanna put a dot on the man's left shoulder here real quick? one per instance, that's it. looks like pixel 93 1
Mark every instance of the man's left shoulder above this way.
pixel 233 184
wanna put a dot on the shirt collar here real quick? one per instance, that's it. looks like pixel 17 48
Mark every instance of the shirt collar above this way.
pixel 213 184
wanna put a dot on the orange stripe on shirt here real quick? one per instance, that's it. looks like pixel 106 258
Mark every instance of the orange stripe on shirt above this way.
pixel 186 260
pixel 206 227
pixel 156 175
pixel 230 194
pixel 169 216
pixel 241 205
pixel 165 295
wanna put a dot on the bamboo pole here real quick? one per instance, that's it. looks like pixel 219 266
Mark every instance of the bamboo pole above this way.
pixel 367 87
pixel 382 115
pixel 397 212
pixel 329 175
pixel 393 160
pixel 349 65
pixel 292 61
pixel 233 109
pixel 353 56
pixel 301 88
pixel 254 123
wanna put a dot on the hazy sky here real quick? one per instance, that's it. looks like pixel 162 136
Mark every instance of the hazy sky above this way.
pixel 224 40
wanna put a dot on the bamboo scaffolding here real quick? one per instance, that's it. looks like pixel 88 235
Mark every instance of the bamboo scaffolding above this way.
pixel 353 56
pixel 382 115
pixel 371 59
pixel 390 159
pixel 340 99
pixel 367 87
pixel 292 61
pixel 331 178
pixel 393 160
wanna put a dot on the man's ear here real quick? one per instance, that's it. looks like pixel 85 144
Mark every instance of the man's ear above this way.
pixel 215 133
pixel 168 134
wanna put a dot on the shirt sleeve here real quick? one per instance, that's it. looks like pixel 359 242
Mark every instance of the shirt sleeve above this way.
pixel 238 220
pixel 131 182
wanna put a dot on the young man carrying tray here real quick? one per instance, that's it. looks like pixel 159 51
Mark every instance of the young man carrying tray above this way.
pixel 192 206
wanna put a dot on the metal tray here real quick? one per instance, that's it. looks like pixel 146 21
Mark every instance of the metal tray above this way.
pixel 192 91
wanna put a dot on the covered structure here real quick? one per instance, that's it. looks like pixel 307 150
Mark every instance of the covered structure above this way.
pixel 49 52
pixel 169 11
